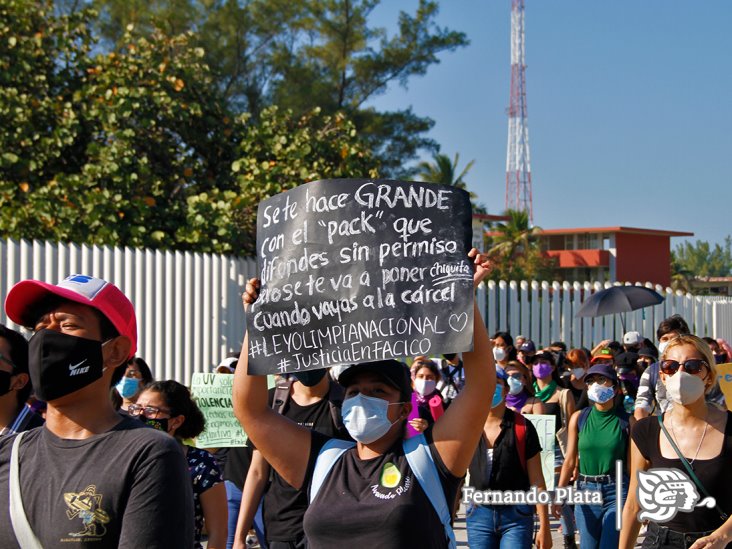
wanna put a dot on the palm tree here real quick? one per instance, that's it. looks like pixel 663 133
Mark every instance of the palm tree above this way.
pixel 515 237
pixel 443 171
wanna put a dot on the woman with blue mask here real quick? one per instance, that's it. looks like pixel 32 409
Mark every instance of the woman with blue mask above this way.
pixel 370 494
pixel 128 389
pixel 598 437
pixel 508 459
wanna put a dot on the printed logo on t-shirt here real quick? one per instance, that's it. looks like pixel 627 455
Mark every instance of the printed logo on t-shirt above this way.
pixel 390 482
pixel 87 506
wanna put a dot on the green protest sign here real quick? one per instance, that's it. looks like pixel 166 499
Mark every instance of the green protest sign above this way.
pixel 213 396
pixel 545 425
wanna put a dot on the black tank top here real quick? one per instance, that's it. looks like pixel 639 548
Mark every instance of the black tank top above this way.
pixel 554 409
pixel 715 474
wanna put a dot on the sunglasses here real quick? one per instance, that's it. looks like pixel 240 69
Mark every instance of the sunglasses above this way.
pixel 691 366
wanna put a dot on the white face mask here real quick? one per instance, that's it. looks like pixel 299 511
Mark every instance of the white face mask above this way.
pixel 499 353
pixel 684 388
pixel 424 386
pixel 600 393
pixel 578 373
pixel 662 347
pixel 365 418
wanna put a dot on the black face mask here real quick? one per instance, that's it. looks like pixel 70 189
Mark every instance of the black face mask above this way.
pixel 60 364
pixel 159 424
pixel 5 382
pixel 310 378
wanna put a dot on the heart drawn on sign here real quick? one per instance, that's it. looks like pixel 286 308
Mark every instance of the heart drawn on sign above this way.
pixel 458 322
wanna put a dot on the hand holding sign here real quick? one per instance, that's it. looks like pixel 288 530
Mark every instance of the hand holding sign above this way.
pixel 361 270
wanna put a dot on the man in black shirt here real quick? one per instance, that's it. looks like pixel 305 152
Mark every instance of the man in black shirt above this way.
pixel 313 402
pixel 89 477
pixel 15 387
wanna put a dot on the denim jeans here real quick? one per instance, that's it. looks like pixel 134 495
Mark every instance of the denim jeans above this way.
pixel 500 526
pixel 233 501
pixel 660 537
pixel 596 523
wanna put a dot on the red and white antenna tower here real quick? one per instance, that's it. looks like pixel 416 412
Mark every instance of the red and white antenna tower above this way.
pixel 518 159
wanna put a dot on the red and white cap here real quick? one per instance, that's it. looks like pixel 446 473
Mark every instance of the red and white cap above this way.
pixel 23 298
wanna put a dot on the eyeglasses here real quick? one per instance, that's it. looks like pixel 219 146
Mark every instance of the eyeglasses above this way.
pixel 150 412
pixel 691 366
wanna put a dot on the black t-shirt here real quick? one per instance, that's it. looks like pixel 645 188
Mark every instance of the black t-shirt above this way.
pixel 715 474
pixel 284 506
pixel 376 502
pixel 128 487
pixel 238 460
pixel 506 472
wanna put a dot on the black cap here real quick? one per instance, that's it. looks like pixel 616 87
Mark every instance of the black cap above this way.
pixel 627 359
pixel 649 352
pixel 393 372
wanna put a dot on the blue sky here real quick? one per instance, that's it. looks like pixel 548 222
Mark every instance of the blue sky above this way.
pixel 629 101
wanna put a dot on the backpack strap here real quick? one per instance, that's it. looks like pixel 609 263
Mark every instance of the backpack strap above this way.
pixel 281 395
pixel 335 402
pixel 584 414
pixel 329 454
pixel 519 427
pixel 21 527
pixel 420 460
pixel 563 396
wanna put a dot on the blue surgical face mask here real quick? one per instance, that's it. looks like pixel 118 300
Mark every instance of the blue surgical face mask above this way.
pixel 127 386
pixel 497 394
pixel 515 386
pixel 365 418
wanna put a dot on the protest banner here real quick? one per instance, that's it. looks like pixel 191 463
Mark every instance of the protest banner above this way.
pixel 212 393
pixel 724 375
pixel 545 425
pixel 356 270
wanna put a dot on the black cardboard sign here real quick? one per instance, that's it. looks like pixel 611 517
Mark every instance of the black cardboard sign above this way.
pixel 357 270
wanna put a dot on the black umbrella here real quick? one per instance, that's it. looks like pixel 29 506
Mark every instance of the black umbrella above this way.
pixel 619 299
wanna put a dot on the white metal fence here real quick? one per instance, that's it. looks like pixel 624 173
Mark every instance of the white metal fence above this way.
pixel 189 312
pixel 190 316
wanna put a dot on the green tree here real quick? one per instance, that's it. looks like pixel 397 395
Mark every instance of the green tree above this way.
pixel 303 54
pixel 137 146
pixel 701 259
pixel 444 171
pixel 515 250
pixel 276 154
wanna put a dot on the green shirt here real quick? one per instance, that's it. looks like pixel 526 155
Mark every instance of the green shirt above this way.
pixel 601 442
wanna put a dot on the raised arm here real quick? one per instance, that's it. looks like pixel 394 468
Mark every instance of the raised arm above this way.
pixel 284 444
pixel 457 432
pixel 631 526
pixel 251 495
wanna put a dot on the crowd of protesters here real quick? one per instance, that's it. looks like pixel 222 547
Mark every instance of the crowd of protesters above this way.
pixel 95 452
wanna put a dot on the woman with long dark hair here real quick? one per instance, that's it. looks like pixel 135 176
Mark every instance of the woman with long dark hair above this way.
pixel 167 406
